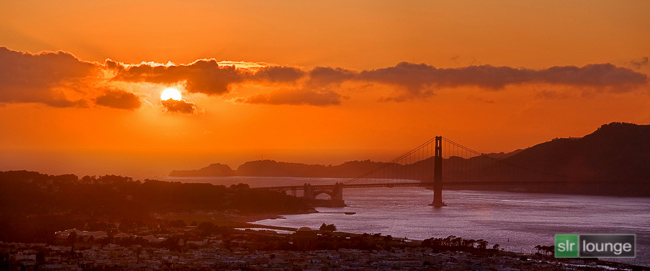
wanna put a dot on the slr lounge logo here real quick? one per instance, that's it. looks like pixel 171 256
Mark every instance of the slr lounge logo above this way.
pixel 595 245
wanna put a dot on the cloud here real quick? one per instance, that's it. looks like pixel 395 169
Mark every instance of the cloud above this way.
pixel 324 76
pixel 640 63
pixel 420 80
pixel 296 97
pixel 119 99
pixel 595 75
pixel 279 74
pixel 61 80
pixel 413 81
pixel 208 77
pixel 201 76
pixel 181 106
pixel 44 78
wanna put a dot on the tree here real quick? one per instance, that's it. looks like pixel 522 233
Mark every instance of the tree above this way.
pixel 547 250
pixel 323 227
pixel 482 244
pixel 469 243
pixel 331 228
pixel 327 228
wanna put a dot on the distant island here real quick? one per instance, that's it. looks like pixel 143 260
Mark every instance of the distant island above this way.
pixel 616 152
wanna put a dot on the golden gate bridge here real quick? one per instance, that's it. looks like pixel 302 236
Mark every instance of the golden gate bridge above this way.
pixel 425 166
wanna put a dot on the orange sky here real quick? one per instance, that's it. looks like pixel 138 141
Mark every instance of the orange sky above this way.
pixel 303 81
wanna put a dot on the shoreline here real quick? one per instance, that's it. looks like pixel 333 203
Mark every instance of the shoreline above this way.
pixel 253 221
pixel 491 254
pixel 586 262
pixel 391 252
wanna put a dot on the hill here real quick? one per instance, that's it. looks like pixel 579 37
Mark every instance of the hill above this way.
pixel 270 168
pixel 211 170
pixel 616 152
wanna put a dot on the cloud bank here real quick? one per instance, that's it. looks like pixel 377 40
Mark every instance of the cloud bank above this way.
pixel 420 80
pixel 41 78
pixel 59 79
pixel 412 81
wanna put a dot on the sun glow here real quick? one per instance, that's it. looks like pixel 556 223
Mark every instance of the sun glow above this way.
pixel 170 93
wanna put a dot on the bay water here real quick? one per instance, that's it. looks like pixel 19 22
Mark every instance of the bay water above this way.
pixel 516 221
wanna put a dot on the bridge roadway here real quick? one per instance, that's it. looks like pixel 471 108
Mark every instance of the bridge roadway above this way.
pixel 424 184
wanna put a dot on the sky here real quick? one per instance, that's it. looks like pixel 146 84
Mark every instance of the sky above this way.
pixel 307 81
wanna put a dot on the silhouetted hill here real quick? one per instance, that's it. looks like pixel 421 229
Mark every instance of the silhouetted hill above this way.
pixel 211 170
pixel 614 152
pixel 502 155
pixel 617 152
pixel 280 169
pixel 270 168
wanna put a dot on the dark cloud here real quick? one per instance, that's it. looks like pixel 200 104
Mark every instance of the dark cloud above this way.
pixel 119 99
pixel 411 76
pixel 419 80
pixel 202 76
pixel 297 97
pixel 41 78
pixel 596 75
pixel 638 64
pixel 279 74
pixel 323 76
pixel 181 106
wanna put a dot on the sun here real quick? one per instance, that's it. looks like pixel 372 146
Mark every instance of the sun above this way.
pixel 170 93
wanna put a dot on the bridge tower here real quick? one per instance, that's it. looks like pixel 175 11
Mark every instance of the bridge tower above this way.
pixel 437 174
pixel 337 191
